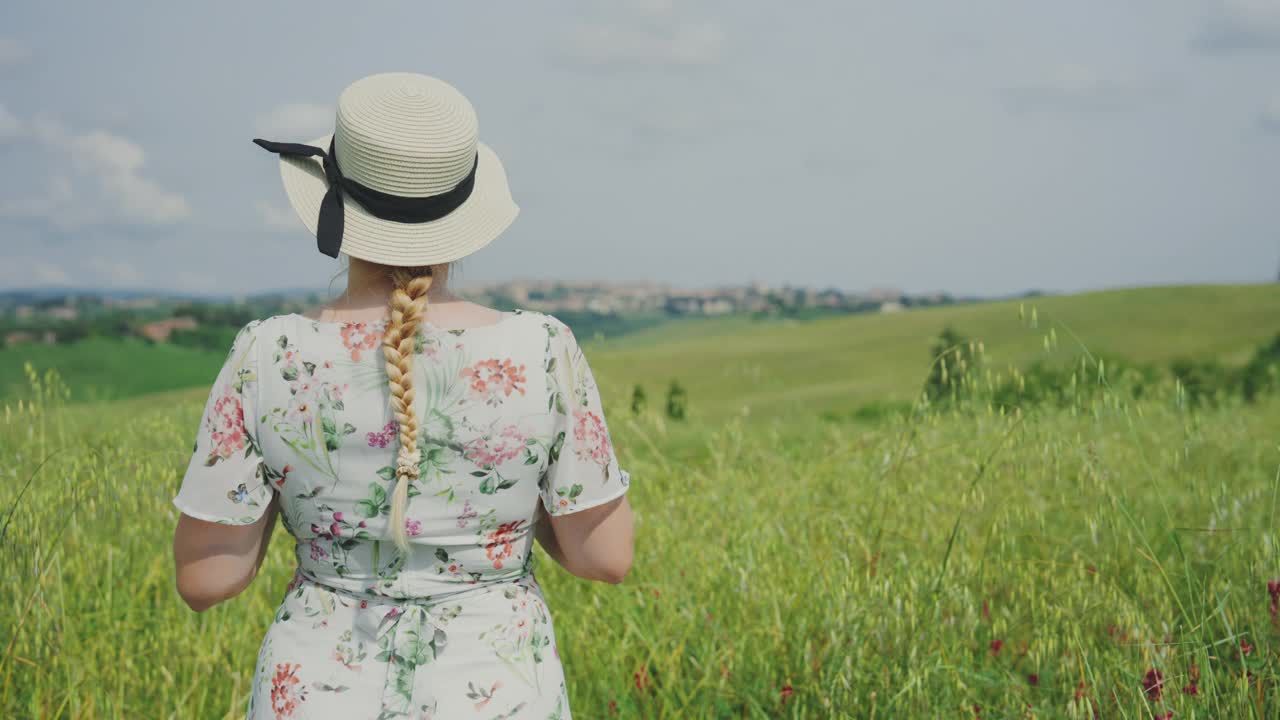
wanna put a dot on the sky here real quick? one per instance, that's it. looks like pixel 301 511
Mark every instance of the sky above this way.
pixel 980 148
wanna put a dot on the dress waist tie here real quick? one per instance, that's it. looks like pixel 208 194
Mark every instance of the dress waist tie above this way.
pixel 410 633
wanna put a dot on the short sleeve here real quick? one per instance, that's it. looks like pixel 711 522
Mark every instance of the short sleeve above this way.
pixel 225 478
pixel 582 468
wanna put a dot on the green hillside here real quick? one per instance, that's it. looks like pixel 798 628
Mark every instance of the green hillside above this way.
pixel 102 369
pixel 776 367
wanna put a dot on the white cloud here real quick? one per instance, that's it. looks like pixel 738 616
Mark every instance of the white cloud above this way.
pixel 278 218
pixel 31 272
pixel 1074 86
pixel 295 122
pixel 1241 26
pixel 645 33
pixel 113 271
pixel 99 170
pixel 12 52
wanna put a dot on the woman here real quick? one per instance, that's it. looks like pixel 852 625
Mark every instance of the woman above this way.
pixel 413 443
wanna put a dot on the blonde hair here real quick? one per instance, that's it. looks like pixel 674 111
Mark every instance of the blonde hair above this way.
pixel 408 305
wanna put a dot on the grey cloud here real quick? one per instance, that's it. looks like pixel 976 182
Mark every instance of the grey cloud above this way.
pixel 1241 26
pixel 1077 87
pixel 1269 117
pixel 642 35
pixel 12 52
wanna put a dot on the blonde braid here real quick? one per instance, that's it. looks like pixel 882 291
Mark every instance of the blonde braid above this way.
pixel 408 305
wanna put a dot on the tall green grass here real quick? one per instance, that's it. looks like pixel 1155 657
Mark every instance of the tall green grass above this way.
pixel 949 562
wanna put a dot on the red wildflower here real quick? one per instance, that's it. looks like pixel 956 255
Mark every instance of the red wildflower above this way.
pixel 1153 684
pixel 1034 680
pixel 1191 689
pixel 1166 715
pixel 787 692
pixel 642 678
pixel 995 646
pixel 1245 647
pixel 613 707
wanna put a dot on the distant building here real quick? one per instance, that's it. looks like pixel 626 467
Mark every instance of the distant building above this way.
pixel 160 330
pixel 18 337
pixel 890 306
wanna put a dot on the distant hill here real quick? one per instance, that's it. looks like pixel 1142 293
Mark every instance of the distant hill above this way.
pixel 840 363
pixel 833 363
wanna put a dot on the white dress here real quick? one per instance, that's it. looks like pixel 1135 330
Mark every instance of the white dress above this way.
pixel 509 416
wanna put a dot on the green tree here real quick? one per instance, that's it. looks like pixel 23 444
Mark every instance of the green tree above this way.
pixel 953 362
pixel 677 403
pixel 638 399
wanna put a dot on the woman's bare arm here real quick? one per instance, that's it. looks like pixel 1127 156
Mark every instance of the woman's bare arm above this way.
pixel 594 544
pixel 215 562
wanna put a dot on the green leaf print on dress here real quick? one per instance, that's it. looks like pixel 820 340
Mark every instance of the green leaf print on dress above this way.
pixel 315 398
pixel 520 642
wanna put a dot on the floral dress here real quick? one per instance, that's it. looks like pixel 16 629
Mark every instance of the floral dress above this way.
pixel 509 416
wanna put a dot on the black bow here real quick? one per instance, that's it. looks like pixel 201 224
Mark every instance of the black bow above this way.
pixel 386 206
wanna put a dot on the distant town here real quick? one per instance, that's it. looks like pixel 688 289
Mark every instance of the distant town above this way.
pixel 61 316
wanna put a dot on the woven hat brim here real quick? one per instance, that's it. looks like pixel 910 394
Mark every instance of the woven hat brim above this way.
pixel 486 213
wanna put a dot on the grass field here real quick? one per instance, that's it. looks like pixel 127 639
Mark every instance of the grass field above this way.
pixel 105 369
pixel 776 368
pixel 1112 557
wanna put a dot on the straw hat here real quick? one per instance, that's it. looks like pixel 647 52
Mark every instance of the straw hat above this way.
pixel 403 179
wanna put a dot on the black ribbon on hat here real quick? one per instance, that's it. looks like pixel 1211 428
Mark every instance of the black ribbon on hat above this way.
pixel 397 208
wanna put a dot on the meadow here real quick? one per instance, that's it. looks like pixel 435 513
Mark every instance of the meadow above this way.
pixel 1112 557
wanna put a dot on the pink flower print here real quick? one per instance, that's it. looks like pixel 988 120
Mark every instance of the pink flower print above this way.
pixel 494 379
pixel 317 552
pixel 591 439
pixel 490 451
pixel 358 337
pixel 383 438
pixel 412 527
pixel 226 425
pixel 337 391
pixel 285 693
pixel 467 513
